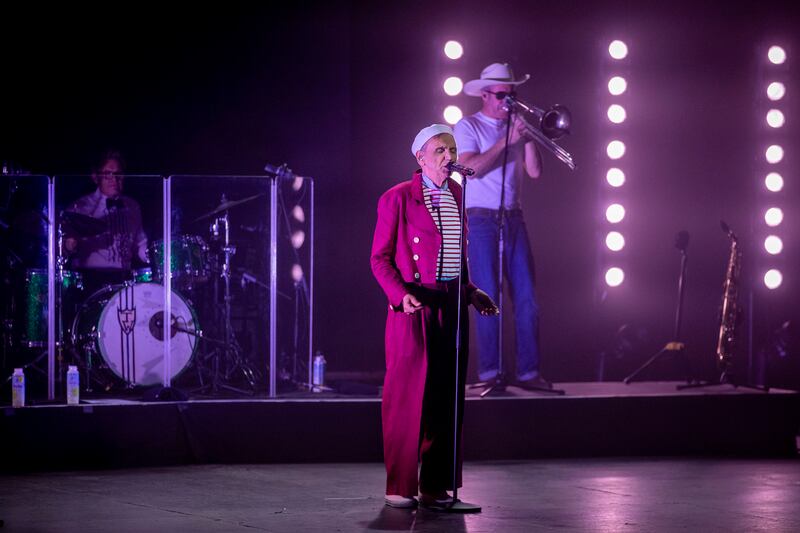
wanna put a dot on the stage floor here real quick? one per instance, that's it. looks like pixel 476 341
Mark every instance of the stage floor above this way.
pixel 642 494
pixel 589 420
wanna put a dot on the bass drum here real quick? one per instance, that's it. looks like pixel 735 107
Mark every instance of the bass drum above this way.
pixel 119 334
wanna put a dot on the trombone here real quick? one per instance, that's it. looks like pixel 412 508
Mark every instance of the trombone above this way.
pixel 548 124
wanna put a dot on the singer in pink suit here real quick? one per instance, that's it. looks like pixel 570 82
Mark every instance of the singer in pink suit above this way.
pixel 416 258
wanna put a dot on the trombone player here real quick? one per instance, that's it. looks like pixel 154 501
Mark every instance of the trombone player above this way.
pixel 502 154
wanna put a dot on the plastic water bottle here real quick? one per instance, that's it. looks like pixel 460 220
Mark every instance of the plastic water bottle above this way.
pixel 318 375
pixel 73 385
pixel 18 388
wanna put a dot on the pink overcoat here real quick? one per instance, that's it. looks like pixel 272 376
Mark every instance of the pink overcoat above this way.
pixel 405 248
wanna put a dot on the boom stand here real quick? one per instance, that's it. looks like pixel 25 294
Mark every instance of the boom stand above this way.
pixel 675 346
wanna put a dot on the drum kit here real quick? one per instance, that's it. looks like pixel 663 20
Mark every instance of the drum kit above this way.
pixel 115 334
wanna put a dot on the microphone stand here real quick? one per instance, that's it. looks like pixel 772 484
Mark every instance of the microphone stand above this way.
pixel 457 506
pixel 675 346
pixel 500 382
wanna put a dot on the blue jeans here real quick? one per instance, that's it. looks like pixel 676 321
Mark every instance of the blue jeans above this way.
pixel 518 272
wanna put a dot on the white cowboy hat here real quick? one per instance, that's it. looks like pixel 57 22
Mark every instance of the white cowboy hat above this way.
pixel 426 133
pixel 494 74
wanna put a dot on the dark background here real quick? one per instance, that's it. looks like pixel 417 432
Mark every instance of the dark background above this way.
pixel 339 89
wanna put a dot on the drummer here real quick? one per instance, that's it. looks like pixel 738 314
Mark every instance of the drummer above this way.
pixel 107 250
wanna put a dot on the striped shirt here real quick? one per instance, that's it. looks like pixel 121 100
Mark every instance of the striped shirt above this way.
pixel 443 208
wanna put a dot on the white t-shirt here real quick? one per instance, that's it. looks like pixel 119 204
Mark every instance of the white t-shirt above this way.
pixel 476 134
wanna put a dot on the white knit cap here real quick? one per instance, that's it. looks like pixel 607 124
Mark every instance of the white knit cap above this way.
pixel 426 133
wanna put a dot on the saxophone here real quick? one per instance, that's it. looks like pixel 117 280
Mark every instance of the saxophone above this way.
pixel 730 305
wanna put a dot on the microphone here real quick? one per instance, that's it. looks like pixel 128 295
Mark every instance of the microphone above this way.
pixel 461 169
pixel 682 240
pixel 282 172
pixel 728 231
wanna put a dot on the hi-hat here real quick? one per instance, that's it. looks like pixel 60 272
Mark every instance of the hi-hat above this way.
pixel 83 225
pixel 224 206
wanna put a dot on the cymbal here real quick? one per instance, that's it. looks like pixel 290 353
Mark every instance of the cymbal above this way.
pixel 83 225
pixel 224 206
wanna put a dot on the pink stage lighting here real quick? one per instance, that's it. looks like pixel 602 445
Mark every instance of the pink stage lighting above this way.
pixel 615 177
pixel 776 55
pixel 774 154
pixel 453 49
pixel 617 85
pixel 775 118
pixel 452 114
pixel 775 91
pixel 614 276
pixel 618 49
pixel 615 213
pixel 615 149
pixel 774 216
pixel 773 182
pixel 615 241
pixel 616 114
pixel 453 86
pixel 773 278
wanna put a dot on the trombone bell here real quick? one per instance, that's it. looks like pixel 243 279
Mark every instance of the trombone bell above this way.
pixel 551 124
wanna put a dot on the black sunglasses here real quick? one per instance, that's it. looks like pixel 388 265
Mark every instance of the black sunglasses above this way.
pixel 501 95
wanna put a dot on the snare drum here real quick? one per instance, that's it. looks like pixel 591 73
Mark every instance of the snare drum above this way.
pixel 119 334
pixel 33 330
pixel 189 262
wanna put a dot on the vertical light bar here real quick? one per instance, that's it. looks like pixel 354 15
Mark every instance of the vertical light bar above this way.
pixel 51 288
pixel 167 322
pixel 615 87
pixel 273 284
pixel 773 120
pixel 311 291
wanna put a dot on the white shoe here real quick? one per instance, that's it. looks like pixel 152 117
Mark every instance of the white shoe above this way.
pixel 394 500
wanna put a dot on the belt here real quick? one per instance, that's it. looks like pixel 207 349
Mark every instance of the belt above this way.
pixel 486 212
pixel 441 286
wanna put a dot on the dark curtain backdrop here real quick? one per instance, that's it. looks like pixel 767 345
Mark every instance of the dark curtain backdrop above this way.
pixel 338 90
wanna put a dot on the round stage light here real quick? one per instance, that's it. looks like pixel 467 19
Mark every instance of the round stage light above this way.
pixel 774 216
pixel 617 85
pixel 615 177
pixel 615 241
pixel 297 273
pixel 615 213
pixel 618 49
pixel 453 85
pixel 615 149
pixel 775 91
pixel 614 276
pixel 774 182
pixel 616 114
pixel 298 214
pixel 453 49
pixel 773 278
pixel 776 55
pixel 452 114
pixel 298 238
pixel 297 183
pixel 773 244
pixel 775 118
pixel 774 154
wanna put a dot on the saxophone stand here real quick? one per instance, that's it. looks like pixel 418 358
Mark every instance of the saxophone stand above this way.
pixel 728 322
pixel 675 347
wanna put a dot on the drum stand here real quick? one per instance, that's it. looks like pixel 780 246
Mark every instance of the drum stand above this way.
pixel 226 360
